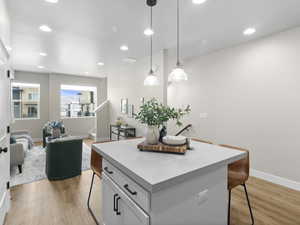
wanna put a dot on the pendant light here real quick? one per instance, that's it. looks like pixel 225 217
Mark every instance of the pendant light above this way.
pixel 178 73
pixel 151 79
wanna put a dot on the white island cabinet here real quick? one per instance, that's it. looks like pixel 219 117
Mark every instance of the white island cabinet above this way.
pixel 146 188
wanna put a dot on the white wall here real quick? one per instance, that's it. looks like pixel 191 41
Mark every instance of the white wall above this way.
pixel 35 125
pixel 76 126
pixel 4 40
pixel 50 102
pixel 126 81
pixel 4 24
pixel 251 94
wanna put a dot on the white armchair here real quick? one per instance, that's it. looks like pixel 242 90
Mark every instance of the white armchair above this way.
pixel 18 150
pixel 17 155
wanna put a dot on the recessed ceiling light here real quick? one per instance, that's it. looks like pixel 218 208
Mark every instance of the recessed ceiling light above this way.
pixel 100 64
pixel 45 28
pixel 129 60
pixel 52 1
pixel 148 32
pixel 86 73
pixel 124 48
pixel 8 48
pixel 249 31
pixel 199 2
pixel 114 29
pixel 41 67
pixel 204 42
pixel 43 54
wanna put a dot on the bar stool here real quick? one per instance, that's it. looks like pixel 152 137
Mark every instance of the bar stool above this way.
pixel 238 174
pixel 96 167
pixel 202 141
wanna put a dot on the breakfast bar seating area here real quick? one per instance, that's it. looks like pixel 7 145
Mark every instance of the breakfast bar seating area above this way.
pixel 152 194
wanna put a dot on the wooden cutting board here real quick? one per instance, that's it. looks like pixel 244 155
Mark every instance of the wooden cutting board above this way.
pixel 162 148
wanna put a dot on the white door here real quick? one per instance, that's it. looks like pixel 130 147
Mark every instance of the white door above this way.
pixel 4 136
pixel 118 208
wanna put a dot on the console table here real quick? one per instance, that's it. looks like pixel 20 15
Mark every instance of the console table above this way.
pixel 122 131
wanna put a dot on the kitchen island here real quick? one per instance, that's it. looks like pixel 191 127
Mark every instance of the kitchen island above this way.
pixel 147 188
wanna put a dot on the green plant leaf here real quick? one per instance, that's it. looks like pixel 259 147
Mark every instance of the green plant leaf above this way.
pixel 154 113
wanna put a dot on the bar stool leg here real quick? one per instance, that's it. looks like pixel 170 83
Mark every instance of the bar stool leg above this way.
pixel 229 203
pixel 248 201
pixel 88 202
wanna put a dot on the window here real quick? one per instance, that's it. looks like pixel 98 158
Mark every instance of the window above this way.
pixel 77 101
pixel 33 96
pixel 26 100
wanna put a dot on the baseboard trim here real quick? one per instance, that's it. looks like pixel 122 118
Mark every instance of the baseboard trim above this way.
pixel 102 139
pixel 37 139
pixel 84 136
pixel 276 179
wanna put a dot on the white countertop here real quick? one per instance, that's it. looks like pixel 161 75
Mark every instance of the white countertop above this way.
pixel 155 171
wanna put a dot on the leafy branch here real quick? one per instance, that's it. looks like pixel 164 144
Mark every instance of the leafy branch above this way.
pixel 154 113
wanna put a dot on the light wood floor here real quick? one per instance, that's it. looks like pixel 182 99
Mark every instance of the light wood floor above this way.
pixel 64 203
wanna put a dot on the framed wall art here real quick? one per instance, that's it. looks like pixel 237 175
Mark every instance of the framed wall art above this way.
pixel 130 110
pixel 124 105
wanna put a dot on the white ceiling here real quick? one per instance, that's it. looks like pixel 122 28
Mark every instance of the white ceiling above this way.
pixel 88 31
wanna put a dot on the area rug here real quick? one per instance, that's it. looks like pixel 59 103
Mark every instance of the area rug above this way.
pixel 35 162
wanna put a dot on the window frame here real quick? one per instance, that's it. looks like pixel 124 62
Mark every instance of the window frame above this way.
pixel 77 88
pixel 29 85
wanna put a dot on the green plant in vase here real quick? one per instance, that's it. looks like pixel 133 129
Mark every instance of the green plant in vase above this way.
pixel 154 114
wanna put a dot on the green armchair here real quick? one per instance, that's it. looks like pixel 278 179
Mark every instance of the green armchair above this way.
pixel 63 158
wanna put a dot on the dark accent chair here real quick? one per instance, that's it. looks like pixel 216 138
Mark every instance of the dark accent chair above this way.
pixel 63 158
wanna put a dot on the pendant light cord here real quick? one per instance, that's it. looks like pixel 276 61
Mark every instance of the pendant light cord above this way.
pixel 151 41
pixel 178 63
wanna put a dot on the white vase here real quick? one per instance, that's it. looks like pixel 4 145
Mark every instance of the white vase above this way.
pixel 152 135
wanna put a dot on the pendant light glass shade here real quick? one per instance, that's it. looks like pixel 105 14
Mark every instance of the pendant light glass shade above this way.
pixel 151 80
pixel 178 74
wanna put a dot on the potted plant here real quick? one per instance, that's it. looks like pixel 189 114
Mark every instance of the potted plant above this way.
pixel 155 114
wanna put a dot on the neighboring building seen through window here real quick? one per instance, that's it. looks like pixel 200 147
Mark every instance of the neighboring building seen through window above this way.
pixel 77 101
pixel 26 100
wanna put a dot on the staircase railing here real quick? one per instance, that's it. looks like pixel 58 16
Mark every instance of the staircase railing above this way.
pixel 102 121
pixel 101 106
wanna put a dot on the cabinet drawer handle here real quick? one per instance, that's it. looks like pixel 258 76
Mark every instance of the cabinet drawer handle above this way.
pixel 108 171
pixel 1 150
pixel 117 206
pixel 126 186
pixel 5 150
